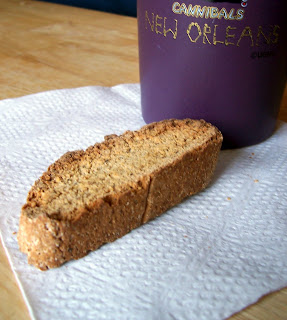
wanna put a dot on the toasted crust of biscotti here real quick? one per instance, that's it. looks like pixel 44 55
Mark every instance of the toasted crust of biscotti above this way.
pixel 82 201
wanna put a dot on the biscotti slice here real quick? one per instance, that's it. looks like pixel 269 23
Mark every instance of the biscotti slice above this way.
pixel 88 198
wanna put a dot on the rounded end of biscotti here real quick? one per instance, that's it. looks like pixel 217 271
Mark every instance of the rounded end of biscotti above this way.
pixel 40 238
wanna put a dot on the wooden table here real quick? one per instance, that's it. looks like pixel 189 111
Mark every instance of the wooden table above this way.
pixel 46 46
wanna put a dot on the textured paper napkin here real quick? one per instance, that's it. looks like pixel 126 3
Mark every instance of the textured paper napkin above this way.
pixel 207 258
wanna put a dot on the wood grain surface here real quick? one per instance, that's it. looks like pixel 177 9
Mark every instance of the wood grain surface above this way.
pixel 46 46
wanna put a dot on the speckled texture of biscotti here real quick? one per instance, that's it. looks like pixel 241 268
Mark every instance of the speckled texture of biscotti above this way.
pixel 88 198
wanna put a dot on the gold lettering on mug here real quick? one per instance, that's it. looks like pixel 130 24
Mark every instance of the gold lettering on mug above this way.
pixel 267 39
pixel 183 9
pixel 192 10
pixel 223 14
pixel 207 12
pixel 147 21
pixel 157 24
pixel 231 15
pixel 240 14
pixel 228 35
pixel 194 24
pixel 165 31
pixel 275 34
pixel 201 12
pixel 244 34
pixel 206 30
pixel 214 36
pixel 213 12
pixel 175 7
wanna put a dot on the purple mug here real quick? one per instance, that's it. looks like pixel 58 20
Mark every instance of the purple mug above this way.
pixel 222 61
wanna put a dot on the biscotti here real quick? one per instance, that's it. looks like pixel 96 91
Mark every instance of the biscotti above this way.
pixel 88 198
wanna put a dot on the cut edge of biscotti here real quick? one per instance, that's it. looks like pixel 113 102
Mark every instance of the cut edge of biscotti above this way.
pixel 88 198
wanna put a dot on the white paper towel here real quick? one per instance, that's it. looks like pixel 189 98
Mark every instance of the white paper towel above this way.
pixel 207 258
